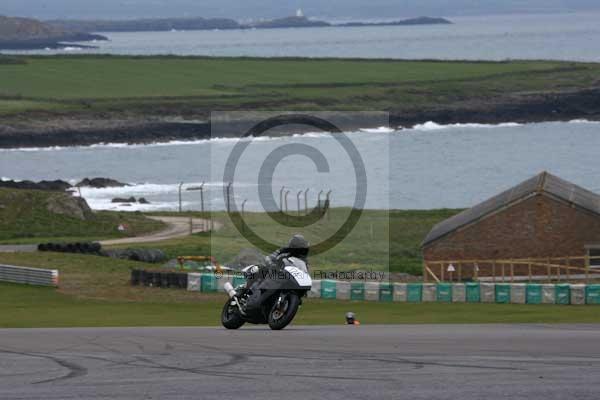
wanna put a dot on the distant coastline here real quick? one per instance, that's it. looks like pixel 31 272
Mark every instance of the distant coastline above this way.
pixel 30 34
pixel 168 24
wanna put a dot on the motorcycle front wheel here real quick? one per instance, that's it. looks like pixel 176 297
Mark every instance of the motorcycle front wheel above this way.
pixel 284 311
pixel 230 316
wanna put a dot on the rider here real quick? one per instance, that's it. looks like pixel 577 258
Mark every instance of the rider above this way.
pixel 297 247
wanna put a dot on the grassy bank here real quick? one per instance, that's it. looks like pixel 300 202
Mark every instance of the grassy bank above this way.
pixel 126 86
pixel 26 216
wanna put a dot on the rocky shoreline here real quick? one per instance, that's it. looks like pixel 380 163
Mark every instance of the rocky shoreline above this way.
pixel 53 43
pixel 75 132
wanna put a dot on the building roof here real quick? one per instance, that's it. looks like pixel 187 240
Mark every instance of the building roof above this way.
pixel 543 184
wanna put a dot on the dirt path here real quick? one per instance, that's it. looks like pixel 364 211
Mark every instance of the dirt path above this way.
pixel 177 227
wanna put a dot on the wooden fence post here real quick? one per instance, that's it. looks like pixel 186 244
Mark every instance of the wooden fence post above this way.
pixel 548 270
pixel 530 274
pixel 442 272
pixel 459 272
pixel 587 267
pixel 502 272
pixel 568 268
pixel 494 271
pixel 512 273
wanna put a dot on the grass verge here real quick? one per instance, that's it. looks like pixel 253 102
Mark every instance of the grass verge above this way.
pixel 33 307
pixel 95 292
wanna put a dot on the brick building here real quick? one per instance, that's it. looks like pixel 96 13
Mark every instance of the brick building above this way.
pixel 544 216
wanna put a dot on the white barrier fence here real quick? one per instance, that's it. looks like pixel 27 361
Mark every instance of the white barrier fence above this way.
pixel 29 276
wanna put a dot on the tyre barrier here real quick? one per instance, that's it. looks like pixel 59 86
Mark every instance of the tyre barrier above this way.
pixel 75 247
pixel 162 279
pixel 153 256
pixel 469 292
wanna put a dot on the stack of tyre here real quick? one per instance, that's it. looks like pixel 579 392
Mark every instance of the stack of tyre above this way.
pixel 76 247
pixel 162 279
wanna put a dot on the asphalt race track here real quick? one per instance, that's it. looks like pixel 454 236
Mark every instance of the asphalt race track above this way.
pixel 327 362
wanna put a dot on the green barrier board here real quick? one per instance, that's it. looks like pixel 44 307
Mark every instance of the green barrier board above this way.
pixel 592 294
pixel 444 293
pixel 563 294
pixel 502 293
pixel 208 283
pixel 473 292
pixel 534 293
pixel 357 291
pixel 386 292
pixel 415 292
pixel 328 289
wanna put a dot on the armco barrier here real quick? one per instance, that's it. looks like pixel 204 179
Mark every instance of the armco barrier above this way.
pixel 29 276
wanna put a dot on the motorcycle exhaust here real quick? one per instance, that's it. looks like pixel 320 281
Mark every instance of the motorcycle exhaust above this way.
pixel 228 287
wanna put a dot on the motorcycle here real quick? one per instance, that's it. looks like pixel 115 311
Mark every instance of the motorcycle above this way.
pixel 272 296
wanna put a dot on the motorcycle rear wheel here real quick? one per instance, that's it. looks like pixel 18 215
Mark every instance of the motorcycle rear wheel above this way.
pixel 230 317
pixel 282 314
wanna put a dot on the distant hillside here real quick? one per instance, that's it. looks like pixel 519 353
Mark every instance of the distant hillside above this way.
pixel 289 22
pixel 410 21
pixel 168 24
pixel 27 33
pixel 144 25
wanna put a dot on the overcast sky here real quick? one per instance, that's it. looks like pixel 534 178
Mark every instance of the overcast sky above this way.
pixel 240 9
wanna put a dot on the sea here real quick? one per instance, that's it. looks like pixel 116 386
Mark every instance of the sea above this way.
pixel 428 166
pixel 573 36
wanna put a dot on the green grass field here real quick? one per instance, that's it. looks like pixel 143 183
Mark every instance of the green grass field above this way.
pixel 194 84
pixel 380 240
pixel 26 307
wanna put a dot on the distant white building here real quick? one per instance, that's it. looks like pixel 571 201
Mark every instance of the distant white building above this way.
pixel 299 13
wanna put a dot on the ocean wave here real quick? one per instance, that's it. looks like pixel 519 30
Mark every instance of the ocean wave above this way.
pixel 381 129
pixel 107 205
pixel 433 126
pixel 583 121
